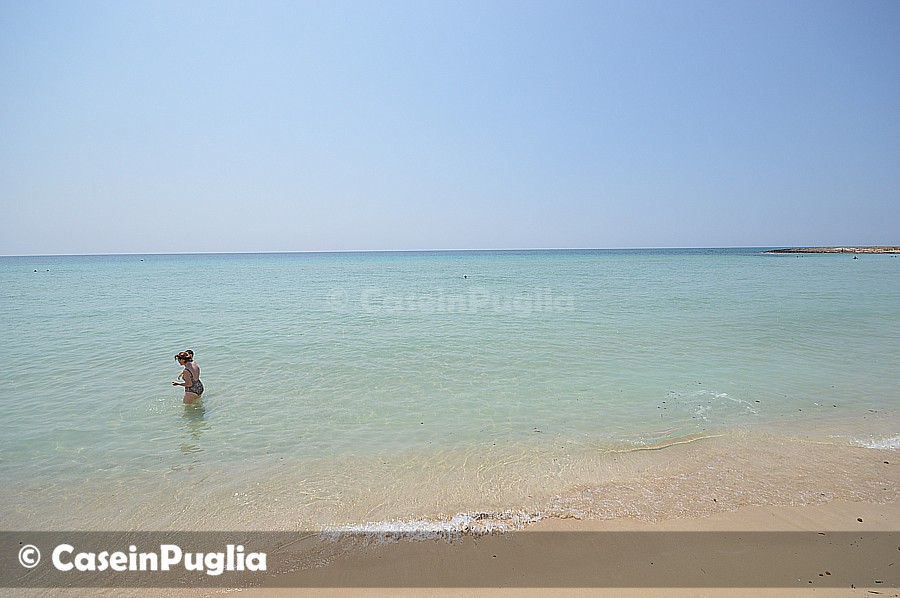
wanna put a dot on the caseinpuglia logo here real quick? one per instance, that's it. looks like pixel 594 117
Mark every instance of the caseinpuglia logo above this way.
pixel 168 557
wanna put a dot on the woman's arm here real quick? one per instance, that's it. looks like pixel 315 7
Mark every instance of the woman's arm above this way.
pixel 182 378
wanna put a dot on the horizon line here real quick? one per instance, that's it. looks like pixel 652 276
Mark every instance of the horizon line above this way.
pixel 447 250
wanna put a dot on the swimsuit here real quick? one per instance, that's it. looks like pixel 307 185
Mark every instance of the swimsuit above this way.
pixel 196 386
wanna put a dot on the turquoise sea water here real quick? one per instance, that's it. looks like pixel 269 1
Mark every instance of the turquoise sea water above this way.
pixel 334 381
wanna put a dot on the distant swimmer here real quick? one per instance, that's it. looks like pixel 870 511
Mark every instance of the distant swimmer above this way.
pixel 190 377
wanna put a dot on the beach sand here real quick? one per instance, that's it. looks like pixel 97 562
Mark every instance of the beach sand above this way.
pixel 739 515
pixel 836 547
pixel 566 557
pixel 573 557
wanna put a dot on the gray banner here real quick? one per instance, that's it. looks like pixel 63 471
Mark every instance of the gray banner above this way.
pixel 517 559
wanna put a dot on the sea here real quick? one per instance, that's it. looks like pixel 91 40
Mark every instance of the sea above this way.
pixel 443 389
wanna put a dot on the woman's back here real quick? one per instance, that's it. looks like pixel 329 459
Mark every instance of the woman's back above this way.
pixel 193 370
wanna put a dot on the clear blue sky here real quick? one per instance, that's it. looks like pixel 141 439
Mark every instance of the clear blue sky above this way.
pixel 280 126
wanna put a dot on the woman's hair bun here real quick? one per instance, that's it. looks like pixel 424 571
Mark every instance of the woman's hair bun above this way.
pixel 185 356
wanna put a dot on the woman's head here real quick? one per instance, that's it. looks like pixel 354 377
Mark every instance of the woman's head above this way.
pixel 184 356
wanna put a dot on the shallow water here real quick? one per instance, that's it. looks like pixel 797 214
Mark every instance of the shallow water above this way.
pixel 347 388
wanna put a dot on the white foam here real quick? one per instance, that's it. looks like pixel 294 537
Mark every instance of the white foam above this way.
pixel 704 401
pixel 462 524
pixel 891 443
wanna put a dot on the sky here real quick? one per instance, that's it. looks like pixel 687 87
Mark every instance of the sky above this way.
pixel 172 126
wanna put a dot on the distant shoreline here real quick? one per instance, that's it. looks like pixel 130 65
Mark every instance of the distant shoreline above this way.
pixel 874 249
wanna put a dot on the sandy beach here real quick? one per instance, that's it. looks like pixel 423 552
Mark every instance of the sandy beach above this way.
pixel 718 532
pixel 836 549
pixel 576 557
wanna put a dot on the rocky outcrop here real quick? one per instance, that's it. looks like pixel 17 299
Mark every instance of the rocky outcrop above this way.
pixel 875 249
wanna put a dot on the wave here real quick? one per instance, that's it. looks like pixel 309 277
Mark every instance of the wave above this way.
pixel 462 524
pixel 891 443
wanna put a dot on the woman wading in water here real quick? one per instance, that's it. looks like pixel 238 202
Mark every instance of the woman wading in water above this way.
pixel 190 377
